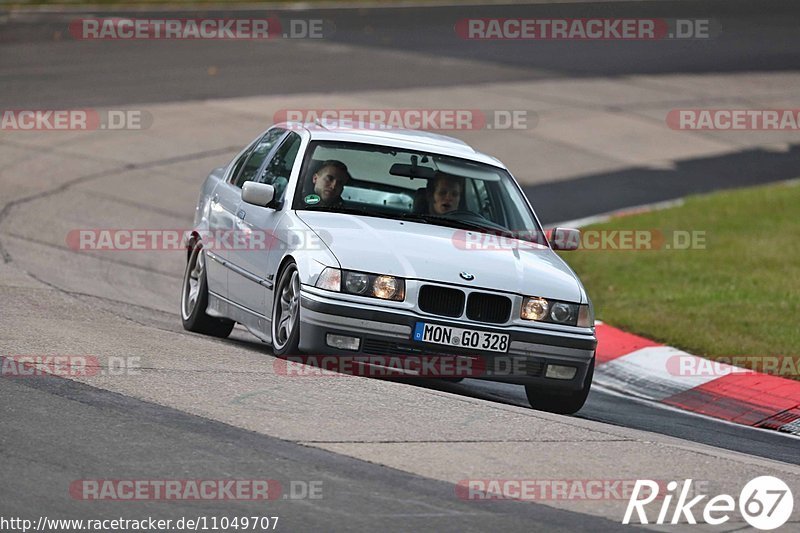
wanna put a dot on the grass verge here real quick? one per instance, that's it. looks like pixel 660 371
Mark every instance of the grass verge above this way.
pixel 739 295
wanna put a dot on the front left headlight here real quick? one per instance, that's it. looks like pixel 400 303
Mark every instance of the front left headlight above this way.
pixel 380 286
pixel 556 312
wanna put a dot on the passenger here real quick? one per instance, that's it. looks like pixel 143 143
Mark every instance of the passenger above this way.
pixel 444 193
pixel 329 182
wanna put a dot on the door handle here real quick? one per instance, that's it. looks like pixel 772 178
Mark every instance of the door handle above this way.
pixel 241 213
pixel 215 199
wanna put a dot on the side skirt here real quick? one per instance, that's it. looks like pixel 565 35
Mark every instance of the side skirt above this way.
pixel 256 323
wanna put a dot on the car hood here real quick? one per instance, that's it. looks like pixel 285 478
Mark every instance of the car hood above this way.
pixel 429 252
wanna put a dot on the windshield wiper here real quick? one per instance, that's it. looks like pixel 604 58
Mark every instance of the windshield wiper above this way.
pixel 414 217
pixel 339 209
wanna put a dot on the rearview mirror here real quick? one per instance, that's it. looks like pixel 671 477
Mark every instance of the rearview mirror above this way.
pixel 565 239
pixel 411 171
pixel 259 194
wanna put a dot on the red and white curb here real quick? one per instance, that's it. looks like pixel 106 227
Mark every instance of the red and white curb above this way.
pixel 639 367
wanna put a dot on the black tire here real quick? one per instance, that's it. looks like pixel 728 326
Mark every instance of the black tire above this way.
pixel 286 312
pixel 194 299
pixel 560 402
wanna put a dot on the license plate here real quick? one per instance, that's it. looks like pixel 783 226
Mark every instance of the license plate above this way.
pixel 463 338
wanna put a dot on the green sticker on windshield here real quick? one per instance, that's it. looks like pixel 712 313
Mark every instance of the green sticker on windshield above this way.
pixel 312 199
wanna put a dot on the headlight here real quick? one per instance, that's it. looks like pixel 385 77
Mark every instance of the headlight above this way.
pixel 563 313
pixel 388 288
pixel 534 308
pixel 373 285
pixel 356 282
pixel 555 312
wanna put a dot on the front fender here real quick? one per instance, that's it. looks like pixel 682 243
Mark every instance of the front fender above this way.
pixel 303 245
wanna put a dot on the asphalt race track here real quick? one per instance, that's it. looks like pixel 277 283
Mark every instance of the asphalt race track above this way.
pixel 388 454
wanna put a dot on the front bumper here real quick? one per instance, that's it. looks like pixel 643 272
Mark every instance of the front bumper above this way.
pixel 387 332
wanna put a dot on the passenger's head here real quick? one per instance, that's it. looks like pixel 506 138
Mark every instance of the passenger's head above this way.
pixel 329 181
pixel 444 193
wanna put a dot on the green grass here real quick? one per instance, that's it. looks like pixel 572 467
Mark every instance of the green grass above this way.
pixel 738 296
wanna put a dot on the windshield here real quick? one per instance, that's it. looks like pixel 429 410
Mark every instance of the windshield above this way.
pixel 388 182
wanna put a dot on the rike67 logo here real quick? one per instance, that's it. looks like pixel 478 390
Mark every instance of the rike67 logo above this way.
pixel 765 503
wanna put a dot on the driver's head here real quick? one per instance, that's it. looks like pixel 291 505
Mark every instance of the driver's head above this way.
pixel 444 193
pixel 329 181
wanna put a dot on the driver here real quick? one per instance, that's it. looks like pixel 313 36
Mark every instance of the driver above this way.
pixel 444 193
pixel 329 181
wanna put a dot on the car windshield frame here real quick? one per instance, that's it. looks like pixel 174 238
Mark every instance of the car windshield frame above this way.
pixel 534 234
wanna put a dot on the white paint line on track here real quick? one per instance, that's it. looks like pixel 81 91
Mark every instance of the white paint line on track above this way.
pixel 605 217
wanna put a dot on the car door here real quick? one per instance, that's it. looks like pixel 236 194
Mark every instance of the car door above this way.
pixel 261 222
pixel 221 221
pixel 224 204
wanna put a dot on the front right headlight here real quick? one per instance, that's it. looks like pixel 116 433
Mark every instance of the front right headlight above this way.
pixel 363 284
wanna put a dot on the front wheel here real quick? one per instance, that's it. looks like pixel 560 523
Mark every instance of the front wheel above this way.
pixel 560 403
pixel 286 312
pixel 194 299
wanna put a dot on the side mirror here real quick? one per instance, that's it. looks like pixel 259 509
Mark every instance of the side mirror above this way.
pixel 565 239
pixel 260 194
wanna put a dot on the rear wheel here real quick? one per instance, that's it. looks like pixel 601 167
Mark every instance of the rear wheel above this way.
pixel 286 312
pixel 194 299
pixel 560 402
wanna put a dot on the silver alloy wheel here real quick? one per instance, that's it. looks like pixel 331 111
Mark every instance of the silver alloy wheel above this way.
pixel 191 283
pixel 287 311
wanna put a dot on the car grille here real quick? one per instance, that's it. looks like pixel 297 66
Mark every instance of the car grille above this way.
pixel 483 307
pixel 441 300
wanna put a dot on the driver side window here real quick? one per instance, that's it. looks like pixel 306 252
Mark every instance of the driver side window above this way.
pixel 279 168
pixel 257 156
pixel 237 166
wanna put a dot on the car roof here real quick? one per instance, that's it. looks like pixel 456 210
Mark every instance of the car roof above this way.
pixel 401 138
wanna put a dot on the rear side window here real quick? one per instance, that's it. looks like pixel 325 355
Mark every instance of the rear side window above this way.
pixel 257 156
